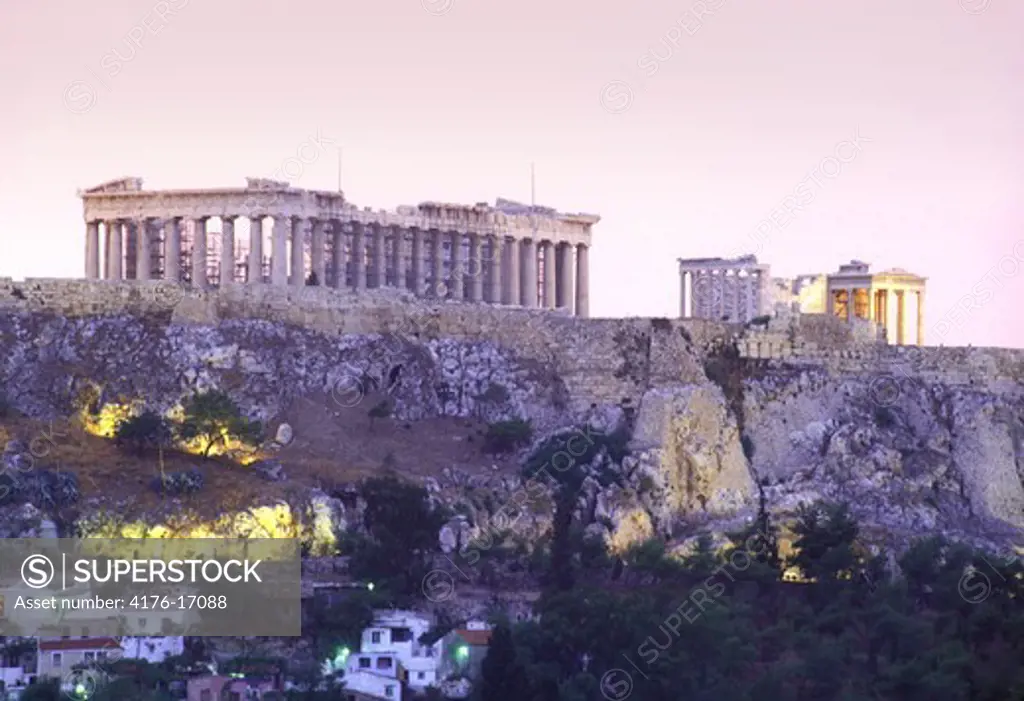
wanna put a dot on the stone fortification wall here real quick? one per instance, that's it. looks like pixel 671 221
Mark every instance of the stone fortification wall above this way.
pixel 600 360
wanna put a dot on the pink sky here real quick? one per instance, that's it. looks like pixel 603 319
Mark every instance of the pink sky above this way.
pixel 683 133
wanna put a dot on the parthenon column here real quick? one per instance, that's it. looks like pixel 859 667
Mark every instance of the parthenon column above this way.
pixel 418 278
pixel 565 286
pixel 548 249
pixel 379 260
pixel 511 276
pixel 528 278
pixel 199 278
pixel 227 251
pixel 901 317
pixel 458 269
pixel 437 265
pixel 318 249
pixel 582 280
pixel 850 304
pixel 338 262
pixel 298 271
pixel 494 286
pixel 172 249
pixel 279 251
pixel 476 269
pixel 255 250
pixel 358 260
pixel 92 250
pixel 920 318
pixel 115 250
pixel 143 250
pixel 398 248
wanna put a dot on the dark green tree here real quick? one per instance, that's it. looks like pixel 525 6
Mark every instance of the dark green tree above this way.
pixel 146 431
pixel 213 417
pixel 502 675
pixel 394 550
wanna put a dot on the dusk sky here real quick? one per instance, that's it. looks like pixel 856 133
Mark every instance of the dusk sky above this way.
pixel 684 128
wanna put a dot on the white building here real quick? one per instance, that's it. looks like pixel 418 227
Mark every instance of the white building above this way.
pixel 375 674
pixel 152 649
pixel 391 654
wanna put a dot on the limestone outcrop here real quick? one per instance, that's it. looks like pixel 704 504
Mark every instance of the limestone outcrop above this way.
pixel 919 442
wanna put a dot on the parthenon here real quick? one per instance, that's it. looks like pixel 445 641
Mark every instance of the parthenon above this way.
pixel 507 253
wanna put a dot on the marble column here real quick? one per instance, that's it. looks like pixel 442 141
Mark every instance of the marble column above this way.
pixel 418 278
pixel 736 313
pixel 684 293
pixel 920 318
pixel 255 276
pixel 512 283
pixel 279 251
pixel 548 249
pixel 752 306
pixel 379 256
pixel 338 261
pixel 476 269
pixel 92 250
pixel 458 290
pixel 528 294
pixel 582 281
pixel 227 251
pixel 318 249
pixel 398 249
pixel 199 273
pixel 437 287
pixel 358 258
pixel 851 303
pixel 143 250
pixel 297 275
pixel 494 266
pixel 901 317
pixel 115 250
pixel 172 249
pixel 565 281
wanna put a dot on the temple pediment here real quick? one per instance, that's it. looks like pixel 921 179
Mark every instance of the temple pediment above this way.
pixel 119 185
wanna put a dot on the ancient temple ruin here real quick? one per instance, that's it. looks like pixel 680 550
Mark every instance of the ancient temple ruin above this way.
pixel 507 253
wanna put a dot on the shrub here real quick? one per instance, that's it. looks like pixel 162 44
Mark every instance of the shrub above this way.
pixel 139 433
pixel 213 417
pixel 759 321
pixel 507 436
pixel 179 483
pixel 661 324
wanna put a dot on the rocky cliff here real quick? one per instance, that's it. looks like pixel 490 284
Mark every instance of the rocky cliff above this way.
pixel 918 440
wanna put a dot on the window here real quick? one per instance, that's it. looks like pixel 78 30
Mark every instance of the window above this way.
pixel 364 663
pixel 56 659
pixel 401 635
pixel 90 656
pixel 375 637
pixel 389 691
pixel 383 663
pixel 85 631
pixel 142 623
pixel 102 655
pixel 421 675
